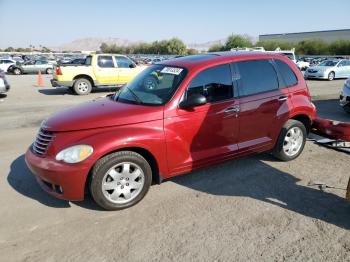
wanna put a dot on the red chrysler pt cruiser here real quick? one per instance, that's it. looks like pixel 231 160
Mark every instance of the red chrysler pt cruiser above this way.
pixel 174 117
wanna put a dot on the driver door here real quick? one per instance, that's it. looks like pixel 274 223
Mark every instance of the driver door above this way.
pixel 208 133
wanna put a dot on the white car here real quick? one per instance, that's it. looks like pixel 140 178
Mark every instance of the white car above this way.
pixel 345 96
pixel 303 65
pixel 4 85
pixel 6 63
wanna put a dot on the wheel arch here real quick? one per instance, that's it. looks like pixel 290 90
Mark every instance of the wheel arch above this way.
pixel 86 77
pixel 305 119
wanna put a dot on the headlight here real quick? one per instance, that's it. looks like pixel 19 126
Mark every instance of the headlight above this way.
pixel 75 154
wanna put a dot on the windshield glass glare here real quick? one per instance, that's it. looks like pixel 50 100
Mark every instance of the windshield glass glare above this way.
pixel 153 86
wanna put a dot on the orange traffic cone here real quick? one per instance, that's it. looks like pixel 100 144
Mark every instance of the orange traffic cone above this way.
pixel 40 80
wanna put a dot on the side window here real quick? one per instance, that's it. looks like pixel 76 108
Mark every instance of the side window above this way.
pixel 105 61
pixel 88 60
pixel 342 63
pixel 287 73
pixel 347 63
pixel 256 76
pixel 123 62
pixel 214 83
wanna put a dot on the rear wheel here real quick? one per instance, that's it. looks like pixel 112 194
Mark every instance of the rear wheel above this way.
pixel 82 86
pixel 49 71
pixel 120 180
pixel 291 141
pixel 331 76
pixel 17 71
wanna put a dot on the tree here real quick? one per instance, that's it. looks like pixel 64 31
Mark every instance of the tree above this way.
pixel 235 41
pixel 192 51
pixel 272 45
pixel 9 49
pixel 104 47
pixel 313 47
pixel 216 48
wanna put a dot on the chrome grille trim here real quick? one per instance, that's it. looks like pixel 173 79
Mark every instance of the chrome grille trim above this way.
pixel 42 142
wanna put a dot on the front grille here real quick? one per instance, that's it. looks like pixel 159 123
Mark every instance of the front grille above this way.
pixel 42 142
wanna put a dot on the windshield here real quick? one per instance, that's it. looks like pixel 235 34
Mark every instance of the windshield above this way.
pixel 328 63
pixel 153 86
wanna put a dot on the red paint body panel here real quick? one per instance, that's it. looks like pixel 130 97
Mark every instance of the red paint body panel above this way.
pixel 332 129
pixel 180 140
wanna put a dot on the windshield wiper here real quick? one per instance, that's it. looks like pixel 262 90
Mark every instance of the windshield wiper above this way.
pixel 138 100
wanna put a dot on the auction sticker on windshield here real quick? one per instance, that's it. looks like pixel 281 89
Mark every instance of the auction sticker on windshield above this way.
pixel 171 70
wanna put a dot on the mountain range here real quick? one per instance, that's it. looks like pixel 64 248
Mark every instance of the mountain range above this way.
pixel 94 43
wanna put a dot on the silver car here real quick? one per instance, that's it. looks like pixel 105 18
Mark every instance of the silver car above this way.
pixel 32 67
pixel 345 96
pixel 329 69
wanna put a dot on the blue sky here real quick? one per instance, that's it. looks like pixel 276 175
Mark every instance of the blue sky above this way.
pixel 52 23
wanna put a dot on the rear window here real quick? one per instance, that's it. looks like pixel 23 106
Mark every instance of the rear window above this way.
pixel 105 61
pixel 287 73
pixel 256 76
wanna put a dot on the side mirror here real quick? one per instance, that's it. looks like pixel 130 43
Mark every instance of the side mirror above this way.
pixel 193 101
pixel 132 65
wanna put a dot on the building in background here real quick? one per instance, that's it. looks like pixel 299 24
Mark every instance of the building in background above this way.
pixel 328 36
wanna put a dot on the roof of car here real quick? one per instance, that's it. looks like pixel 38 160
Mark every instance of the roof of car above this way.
pixel 203 60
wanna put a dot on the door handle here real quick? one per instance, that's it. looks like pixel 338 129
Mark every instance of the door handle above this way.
pixel 233 109
pixel 282 98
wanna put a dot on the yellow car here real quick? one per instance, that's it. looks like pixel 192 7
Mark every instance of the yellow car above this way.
pixel 99 70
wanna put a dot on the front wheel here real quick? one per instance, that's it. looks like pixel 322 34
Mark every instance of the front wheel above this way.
pixel 331 76
pixel 17 71
pixel 291 141
pixel 120 180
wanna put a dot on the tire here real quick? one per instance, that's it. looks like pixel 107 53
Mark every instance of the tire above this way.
pixel 288 148
pixel 347 108
pixel 114 176
pixel 82 86
pixel 49 71
pixel 17 71
pixel 331 76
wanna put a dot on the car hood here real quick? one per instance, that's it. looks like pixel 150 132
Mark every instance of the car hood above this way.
pixel 103 112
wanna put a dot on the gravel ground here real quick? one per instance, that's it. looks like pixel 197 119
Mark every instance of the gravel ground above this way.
pixel 251 209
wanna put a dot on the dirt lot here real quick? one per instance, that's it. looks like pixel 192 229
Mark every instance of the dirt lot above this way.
pixel 252 209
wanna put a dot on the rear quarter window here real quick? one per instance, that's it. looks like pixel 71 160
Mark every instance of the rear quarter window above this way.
pixel 256 76
pixel 287 73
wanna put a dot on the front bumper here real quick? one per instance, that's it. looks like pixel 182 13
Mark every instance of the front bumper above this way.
pixel 56 83
pixel 61 180
pixel 318 75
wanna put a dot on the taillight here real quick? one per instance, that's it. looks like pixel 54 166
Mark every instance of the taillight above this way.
pixel 58 71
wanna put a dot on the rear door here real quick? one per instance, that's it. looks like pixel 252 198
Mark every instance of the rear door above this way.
pixel 105 70
pixel 264 104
